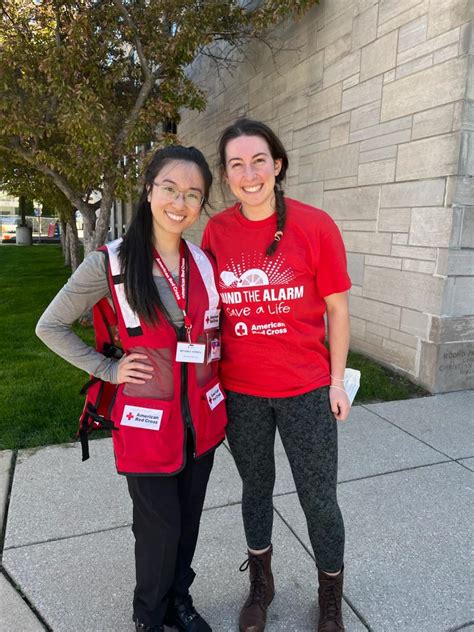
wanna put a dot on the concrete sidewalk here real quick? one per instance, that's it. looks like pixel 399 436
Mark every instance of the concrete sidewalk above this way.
pixel 405 491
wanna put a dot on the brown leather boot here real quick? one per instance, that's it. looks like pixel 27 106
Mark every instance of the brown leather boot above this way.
pixel 330 602
pixel 262 590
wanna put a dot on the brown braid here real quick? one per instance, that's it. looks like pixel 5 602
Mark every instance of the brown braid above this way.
pixel 280 217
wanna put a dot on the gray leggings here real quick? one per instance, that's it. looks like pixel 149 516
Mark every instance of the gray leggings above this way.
pixel 309 434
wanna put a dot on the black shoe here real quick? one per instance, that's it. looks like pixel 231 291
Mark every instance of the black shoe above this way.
pixel 182 615
pixel 141 627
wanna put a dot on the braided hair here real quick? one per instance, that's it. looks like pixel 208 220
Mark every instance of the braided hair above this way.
pixel 249 127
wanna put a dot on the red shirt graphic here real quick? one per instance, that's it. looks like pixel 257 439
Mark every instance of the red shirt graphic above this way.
pixel 273 308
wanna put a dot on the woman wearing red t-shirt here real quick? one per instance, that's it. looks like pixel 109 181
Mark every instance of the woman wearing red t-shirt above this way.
pixel 281 267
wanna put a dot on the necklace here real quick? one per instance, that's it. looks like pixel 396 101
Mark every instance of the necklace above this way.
pixel 173 270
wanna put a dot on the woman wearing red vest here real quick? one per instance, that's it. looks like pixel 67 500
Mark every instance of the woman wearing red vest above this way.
pixel 168 407
pixel 282 267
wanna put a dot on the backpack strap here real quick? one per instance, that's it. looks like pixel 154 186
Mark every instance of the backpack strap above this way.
pixel 107 341
pixel 91 420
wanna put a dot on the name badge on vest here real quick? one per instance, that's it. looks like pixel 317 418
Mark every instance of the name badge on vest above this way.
pixel 213 346
pixel 189 352
pixel 211 318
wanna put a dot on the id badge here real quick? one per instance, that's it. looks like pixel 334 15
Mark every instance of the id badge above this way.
pixel 189 352
pixel 213 346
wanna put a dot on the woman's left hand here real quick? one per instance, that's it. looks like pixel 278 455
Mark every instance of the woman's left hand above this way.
pixel 340 404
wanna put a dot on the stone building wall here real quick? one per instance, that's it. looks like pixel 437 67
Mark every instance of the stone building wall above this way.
pixel 374 103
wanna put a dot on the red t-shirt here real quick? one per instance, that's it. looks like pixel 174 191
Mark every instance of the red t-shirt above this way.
pixel 273 308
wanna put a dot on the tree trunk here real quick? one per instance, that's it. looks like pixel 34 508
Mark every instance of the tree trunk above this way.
pixel 90 219
pixel 69 238
pixel 67 251
pixel 73 243
pixel 96 227
pixel 103 221
pixel 62 235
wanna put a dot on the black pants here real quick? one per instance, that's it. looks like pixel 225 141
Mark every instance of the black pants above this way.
pixel 166 515
pixel 308 431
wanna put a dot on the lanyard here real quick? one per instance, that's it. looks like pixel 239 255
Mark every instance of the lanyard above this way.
pixel 178 292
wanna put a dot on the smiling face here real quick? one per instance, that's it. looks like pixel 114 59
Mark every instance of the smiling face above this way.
pixel 172 216
pixel 250 171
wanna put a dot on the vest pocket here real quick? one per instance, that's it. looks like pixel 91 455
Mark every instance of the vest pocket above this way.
pixel 148 438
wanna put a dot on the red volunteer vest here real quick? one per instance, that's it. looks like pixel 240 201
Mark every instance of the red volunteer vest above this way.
pixel 151 419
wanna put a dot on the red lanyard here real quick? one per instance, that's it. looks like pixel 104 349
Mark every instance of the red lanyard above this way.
pixel 179 292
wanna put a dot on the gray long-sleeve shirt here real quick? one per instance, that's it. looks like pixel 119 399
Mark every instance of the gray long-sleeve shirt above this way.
pixel 84 289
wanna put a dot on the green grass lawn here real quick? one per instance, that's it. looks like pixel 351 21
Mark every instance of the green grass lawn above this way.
pixel 39 392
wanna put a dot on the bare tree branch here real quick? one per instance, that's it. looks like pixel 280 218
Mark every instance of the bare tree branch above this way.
pixel 13 23
pixel 57 28
pixel 62 184
pixel 223 57
pixel 138 44
pixel 150 78
pixel 122 134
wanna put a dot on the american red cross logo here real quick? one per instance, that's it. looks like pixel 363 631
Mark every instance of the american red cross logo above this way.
pixel 207 320
pixel 241 329
pixel 130 416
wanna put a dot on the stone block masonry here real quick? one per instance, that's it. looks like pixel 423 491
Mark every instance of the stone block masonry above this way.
pixel 374 100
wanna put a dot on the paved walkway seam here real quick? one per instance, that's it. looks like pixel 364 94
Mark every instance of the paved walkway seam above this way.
pixel 67 537
pixel 461 627
pixel 356 611
pixel 127 525
pixel 402 469
pixel 28 603
pixel 7 502
pixel 406 432
pixel 466 468
pixel 308 551
pixel 7 577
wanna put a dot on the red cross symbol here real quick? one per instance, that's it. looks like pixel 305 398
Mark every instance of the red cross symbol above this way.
pixel 207 320
pixel 130 416
pixel 241 330
pixel 209 399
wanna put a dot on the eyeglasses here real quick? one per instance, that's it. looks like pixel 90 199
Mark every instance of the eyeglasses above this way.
pixel 171 194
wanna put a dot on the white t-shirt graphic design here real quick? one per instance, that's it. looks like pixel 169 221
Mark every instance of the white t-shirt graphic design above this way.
pixel 255 269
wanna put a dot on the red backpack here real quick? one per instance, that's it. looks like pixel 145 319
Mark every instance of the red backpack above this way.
pixel 100 394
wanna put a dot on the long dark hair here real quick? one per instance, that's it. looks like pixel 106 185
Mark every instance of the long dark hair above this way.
pixel 248 127
pixel 136 252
